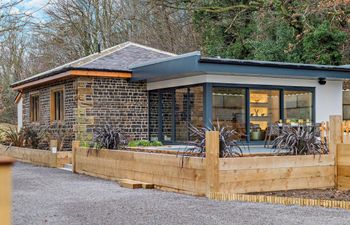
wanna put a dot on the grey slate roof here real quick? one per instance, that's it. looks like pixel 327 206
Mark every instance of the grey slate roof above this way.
pixel 118 58
pixel 123 58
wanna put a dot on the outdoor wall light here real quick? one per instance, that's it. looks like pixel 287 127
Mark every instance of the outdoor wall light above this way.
pixel 322 81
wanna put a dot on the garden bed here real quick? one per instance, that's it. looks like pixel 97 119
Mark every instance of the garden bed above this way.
pixel 324 194
pixel 37 156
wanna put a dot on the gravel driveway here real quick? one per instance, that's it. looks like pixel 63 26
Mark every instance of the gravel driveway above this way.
pixel 52 196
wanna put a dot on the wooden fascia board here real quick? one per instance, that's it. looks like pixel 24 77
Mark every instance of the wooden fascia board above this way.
pixel 59 76
pixel 74 73
pixel 18 97
pixel 96 73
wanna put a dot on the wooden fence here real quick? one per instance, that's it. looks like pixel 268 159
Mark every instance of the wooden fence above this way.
pixel 212 174
pixel 37 156
pixel 5 190
pixel 168 172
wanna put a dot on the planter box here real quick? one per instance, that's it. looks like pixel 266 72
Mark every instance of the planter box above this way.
pixel 194 175
pixel 165 171
pixel 37 156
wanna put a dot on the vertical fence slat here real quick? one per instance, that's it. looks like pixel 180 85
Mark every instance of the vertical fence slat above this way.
pixel 5 190
pixel 75 147
pixel 212 161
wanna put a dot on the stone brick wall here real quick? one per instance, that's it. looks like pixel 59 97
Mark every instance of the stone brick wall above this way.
pixel 44 106
pixel 94 102
pixel 114 101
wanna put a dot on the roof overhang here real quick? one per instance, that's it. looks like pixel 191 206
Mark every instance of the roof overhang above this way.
pixel 67 73
pixel 193 64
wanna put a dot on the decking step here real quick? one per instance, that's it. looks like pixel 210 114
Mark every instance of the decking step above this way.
pixel 133 184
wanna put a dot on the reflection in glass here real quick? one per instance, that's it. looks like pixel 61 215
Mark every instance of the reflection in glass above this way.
pixel 229 108
pixel 298 106
pixel 196 108
pixel 153 115
pixel 181 114
pixel 166 115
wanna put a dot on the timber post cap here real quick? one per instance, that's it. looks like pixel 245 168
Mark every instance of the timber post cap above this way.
pixel 4 160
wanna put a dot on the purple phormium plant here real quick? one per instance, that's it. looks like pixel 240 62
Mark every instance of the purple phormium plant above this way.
pixel 228 143
pixel 109 138
pixel 299 141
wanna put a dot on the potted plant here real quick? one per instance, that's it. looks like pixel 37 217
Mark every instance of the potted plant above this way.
pixel 255 133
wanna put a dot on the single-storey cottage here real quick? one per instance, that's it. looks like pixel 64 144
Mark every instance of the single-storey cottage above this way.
pixel 152 94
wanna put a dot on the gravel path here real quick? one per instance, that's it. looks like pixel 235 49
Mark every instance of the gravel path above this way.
pixel 52 196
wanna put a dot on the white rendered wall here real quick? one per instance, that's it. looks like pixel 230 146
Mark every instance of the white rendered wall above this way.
pixel 328 98
pixel 20 114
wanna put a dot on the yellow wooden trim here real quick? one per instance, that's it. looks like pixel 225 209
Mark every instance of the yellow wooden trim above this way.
pixel 94 73
pixel 279 200
pixel 52 102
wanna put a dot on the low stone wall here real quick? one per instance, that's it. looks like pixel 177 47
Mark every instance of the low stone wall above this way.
pixel 37 156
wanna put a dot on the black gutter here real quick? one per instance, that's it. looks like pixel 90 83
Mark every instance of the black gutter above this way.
pixel 272 64
pixel 62 70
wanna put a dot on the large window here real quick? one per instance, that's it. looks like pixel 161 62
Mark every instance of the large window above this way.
pixel 57 105
pixel 229 108
pixel 250 110
pixel 298 106
pixel 172 111
pixel 189 110
pixel 264 111
pixel 34 108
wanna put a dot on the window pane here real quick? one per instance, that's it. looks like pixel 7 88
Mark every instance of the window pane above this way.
pixel 196 108
pixel 153 115
pixel 61 106
pixel 346 104
pixel 58 105
pixel 34 108
pixel 229 108
pixel 264 111
pixel 181 114
pixel 298 106
pixel 167 109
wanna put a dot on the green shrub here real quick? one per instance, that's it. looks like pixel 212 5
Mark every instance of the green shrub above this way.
pixel 156 143
pixel 144 143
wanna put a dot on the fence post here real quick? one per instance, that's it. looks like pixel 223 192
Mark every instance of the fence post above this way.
pixel 75 146
pixel 5 190
pixel 335 133
pixel 335 138
pixel 212 161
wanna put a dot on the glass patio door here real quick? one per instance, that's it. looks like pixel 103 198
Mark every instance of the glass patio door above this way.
pixel 264 111
pixel 229 108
